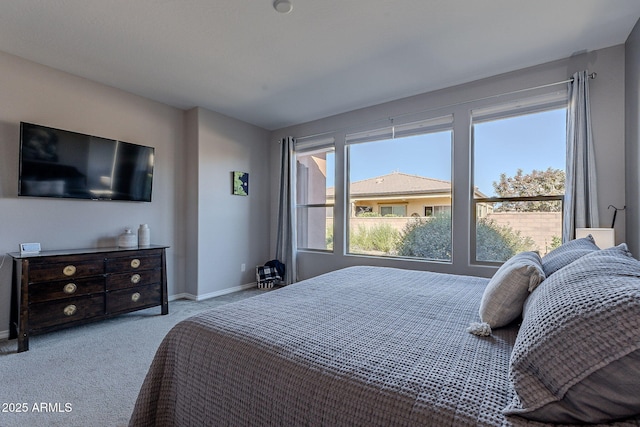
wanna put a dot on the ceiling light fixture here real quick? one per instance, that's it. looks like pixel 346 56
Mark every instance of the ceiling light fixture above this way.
pixel 283 6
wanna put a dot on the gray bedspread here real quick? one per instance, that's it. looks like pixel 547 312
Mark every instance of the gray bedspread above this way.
pixel 362 346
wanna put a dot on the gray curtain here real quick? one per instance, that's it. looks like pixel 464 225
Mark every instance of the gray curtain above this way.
pixel 286 241
pixel 581 201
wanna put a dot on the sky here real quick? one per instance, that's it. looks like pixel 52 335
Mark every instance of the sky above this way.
pixel 533 141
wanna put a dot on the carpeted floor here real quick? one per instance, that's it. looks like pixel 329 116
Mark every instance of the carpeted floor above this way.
pixel 88 375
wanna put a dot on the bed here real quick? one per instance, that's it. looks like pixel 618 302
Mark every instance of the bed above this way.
pixel 377 346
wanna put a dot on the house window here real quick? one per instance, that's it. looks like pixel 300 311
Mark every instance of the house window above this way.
pixel 400 169
pixel 315 166
pixel 363 210
pixel 393 210
pixel 430 211
pixel 518 177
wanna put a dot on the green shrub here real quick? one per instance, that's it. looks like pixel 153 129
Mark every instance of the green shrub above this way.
pixel 384 238
pixel 368 215
pixel 428 238
pixel 329 239
pixel 431 239
pixel 498 242
pixel 380 237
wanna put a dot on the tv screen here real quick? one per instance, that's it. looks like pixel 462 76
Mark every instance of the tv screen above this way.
pixel 60 163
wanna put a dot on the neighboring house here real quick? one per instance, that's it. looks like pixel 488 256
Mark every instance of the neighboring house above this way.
pixel 399 194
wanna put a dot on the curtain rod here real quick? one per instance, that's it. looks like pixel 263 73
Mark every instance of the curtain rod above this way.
pixel 591 76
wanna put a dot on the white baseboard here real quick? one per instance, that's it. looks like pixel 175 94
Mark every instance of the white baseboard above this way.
pixel 226 291
pixel 179 296
pixel 4 335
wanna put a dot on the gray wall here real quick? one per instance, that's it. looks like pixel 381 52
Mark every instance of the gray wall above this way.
pixel 219 232
pixel 607 107
pixel 225 231
pixel 632 135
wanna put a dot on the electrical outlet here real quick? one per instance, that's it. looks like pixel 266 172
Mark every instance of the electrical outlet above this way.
pixel 243 268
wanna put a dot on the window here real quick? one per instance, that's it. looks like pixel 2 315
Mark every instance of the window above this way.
pixel 315 165
pixel 430 211
pixel 393 210
pixel 393 173
pixel 362 209
pixel 518 177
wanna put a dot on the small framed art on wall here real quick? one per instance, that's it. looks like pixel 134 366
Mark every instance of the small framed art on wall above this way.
pixel 241 183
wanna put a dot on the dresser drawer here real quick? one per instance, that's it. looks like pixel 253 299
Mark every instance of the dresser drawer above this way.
pixel 133 299
pixel 129 280
pixel 71 269
pixel 50 291
pixel 135 262
pixel 49 314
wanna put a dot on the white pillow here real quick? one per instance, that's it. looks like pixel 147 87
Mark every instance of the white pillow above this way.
pixel 509 287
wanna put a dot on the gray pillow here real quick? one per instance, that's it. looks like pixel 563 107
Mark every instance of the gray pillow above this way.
pixel 509 287
pixel 576 358
pixel 565 254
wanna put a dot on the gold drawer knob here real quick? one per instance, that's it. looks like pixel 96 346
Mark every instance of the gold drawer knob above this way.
pixel 69 270
pixel 135 297
pixel 135 278
pixel 70 310
pixel 70 288
pixel 135 263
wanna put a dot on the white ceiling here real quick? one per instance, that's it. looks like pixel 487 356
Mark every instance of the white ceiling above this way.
pixel 243 59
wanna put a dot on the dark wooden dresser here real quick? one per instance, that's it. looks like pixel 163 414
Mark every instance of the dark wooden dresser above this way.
pixel 59 289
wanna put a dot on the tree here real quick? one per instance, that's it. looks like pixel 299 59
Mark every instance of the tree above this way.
pixel 536 183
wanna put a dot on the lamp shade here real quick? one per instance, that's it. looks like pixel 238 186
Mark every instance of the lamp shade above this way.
pixel 604 237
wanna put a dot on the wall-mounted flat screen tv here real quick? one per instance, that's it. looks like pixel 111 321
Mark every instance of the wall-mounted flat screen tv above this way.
pixel 64 164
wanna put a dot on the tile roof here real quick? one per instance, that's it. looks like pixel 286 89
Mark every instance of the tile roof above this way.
pixel 396 183
pixel 399 183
